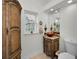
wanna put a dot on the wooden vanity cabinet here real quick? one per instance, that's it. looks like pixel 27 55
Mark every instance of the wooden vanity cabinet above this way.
pixel 50 45
pixel 11 29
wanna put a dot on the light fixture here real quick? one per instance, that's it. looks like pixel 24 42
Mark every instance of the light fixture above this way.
pixel 56 11
pixel 69 1
pixel 51 9
pixel 56 20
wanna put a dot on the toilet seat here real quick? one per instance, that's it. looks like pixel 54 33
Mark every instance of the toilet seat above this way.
pixel 65 55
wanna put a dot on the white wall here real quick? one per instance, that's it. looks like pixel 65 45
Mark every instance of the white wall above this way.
pixel 44 18
pixel 31 43
pixel 68 24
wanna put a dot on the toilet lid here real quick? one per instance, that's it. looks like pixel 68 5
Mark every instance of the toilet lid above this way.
pixel 65 56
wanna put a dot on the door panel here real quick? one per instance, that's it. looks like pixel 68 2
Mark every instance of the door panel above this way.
pixel 15 42
pixel 15 21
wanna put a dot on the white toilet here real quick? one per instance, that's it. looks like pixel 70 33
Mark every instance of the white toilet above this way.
pixel 65 55
pixel 71 51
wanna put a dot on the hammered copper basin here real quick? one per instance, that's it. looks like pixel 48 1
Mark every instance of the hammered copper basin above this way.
pixel 50 34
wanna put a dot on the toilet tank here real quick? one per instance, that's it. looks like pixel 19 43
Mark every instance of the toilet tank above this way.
pixel 71 47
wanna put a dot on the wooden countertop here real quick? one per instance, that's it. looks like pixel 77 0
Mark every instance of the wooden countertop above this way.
pixel 52 38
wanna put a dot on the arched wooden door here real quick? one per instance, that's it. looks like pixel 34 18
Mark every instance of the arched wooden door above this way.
pixel 11 39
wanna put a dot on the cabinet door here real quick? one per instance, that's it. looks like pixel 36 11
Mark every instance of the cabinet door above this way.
pixel 56 45
pixel 44 44
pixel 48 47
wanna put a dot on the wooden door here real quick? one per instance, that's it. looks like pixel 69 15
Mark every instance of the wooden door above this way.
pixel 11 30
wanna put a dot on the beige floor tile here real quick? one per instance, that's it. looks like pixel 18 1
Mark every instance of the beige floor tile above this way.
pixel 40 56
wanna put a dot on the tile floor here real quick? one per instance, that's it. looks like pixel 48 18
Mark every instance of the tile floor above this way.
pixel 41 56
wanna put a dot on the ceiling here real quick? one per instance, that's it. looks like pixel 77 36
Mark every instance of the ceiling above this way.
pixel 33 5
pixel 41 5
pixel 59 6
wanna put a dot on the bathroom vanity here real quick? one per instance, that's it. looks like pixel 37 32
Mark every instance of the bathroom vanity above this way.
pixel 50 45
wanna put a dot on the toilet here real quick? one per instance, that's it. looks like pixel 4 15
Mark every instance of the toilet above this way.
pixel 71 50
pixel 65 55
